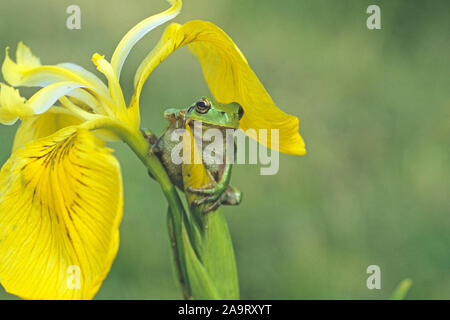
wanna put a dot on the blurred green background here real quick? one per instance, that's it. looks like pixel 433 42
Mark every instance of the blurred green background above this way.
pixel 374 112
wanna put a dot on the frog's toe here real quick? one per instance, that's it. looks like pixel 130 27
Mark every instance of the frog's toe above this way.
pixel 208 189
pixel 204 200
pixel 153 150
pixel 214 202
pixel 149 136
pixel 213 206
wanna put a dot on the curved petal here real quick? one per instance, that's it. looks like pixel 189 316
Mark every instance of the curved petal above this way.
pixel 12 105
pixel 25 57
pixel 230 79
pixel 40 126
pixel 114 86
pixel 91 78
pixel 140 30
pixel 42 100
pixel 60 210
pixel 27 71
pixel 88 102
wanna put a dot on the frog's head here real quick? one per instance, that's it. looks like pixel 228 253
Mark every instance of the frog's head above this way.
pixel 214 113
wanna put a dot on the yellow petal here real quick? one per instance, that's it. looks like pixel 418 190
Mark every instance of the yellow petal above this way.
pixel 41 126
pixel 230 79
pixel 28 72
pixel 114 86
pixel 60 210
pixel 88 76
pixel 194 173
pixel 25 57
pixel 42 100
pixel 12 105
pixel 140 30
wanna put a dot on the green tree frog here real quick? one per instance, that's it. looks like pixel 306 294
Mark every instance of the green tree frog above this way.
pixel 211 114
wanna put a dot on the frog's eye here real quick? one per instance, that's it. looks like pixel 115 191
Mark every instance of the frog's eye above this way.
pixel 240 112
pixel 202 106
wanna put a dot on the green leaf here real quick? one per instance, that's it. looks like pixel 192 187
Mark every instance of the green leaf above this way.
pixel 402 290
pixel 215 251
pixel 201 285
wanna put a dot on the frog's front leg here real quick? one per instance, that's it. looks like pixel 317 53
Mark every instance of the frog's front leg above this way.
pixel 217 192
pixel 152 140
pixel 176 117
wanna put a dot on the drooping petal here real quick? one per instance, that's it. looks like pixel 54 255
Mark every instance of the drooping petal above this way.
pixel 43 125
pixel 12 105
pixel 139 31
pixel 40 126
pixel 60 210
pixel 230 79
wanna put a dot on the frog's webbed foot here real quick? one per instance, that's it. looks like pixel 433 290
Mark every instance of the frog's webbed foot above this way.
pixel 216 193
pixel 230 196
pixel 210 193
pixel 214 205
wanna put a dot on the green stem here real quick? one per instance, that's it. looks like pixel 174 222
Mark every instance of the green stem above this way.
pixel 176 212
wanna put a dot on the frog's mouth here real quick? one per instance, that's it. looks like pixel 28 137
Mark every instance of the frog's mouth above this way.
pixel 205 125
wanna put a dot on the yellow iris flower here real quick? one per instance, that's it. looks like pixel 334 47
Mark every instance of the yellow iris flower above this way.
pixel 61 196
